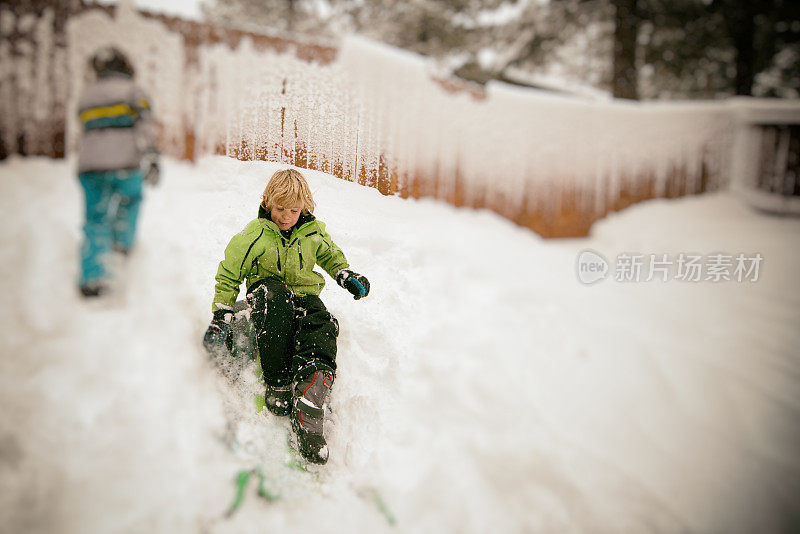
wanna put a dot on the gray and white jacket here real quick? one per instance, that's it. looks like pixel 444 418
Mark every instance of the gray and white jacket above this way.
pixel 118 131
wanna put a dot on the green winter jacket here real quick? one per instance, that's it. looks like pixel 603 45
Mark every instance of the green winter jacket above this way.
pixel 260 251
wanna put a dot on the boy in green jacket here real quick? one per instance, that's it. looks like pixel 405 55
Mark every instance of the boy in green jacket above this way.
pixel 275 255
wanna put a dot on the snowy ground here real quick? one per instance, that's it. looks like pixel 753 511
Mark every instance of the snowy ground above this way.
pixel 481 386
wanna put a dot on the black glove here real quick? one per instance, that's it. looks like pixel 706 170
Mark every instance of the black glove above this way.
pixel 218 333
pixel 153 174
pixel 355 283
pixel 150 168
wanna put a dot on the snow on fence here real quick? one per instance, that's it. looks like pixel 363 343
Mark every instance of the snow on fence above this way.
pixel 363 112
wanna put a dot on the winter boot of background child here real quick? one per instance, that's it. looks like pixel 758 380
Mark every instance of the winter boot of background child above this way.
pixel 310 395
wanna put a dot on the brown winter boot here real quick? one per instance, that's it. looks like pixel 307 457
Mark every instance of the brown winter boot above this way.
pixel 308 415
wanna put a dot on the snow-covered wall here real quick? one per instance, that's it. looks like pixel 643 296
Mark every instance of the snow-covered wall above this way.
pixel 370 113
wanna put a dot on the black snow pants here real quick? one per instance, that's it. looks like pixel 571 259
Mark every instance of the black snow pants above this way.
pixel 295 336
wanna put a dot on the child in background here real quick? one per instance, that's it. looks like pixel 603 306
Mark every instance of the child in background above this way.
pixel 275 255
pixel 117 153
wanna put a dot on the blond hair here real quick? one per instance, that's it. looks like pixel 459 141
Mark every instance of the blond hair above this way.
pixel 288 188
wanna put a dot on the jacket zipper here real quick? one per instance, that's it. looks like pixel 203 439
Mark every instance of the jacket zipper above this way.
pixel 254 265
pixel 299 236
pixel 249 249
pixel 292 242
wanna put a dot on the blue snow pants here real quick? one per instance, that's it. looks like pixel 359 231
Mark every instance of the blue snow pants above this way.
pixel 112 207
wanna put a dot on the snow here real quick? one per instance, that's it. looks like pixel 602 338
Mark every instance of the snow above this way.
pixel 497 16
pixel 481 386
pixel 186 9
pixel 557 84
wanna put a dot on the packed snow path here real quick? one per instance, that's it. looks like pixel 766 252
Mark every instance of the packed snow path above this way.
pixel 481 386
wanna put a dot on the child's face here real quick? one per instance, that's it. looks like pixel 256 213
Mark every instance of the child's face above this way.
pixel 285 217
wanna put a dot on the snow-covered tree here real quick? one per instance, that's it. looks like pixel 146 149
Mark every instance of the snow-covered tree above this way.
pixel 302 16
pixel 632 48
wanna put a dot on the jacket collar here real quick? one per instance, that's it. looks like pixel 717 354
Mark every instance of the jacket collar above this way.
pixel 304 218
